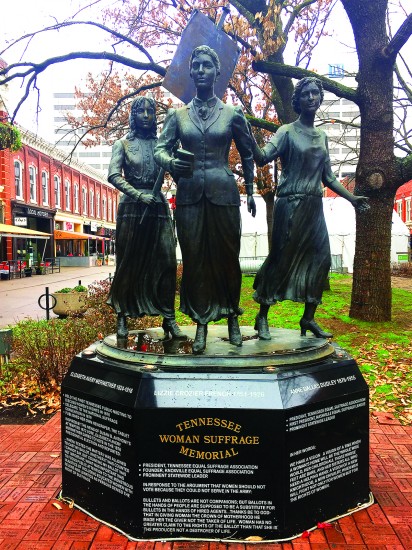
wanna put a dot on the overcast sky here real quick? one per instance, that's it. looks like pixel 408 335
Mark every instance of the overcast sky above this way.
pixel 35 14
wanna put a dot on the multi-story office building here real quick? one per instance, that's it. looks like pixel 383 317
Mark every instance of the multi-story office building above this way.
pixel 340 119
pixel 67 139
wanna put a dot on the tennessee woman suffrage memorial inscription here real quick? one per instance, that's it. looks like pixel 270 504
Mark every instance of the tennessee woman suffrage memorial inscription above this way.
pixel 206 453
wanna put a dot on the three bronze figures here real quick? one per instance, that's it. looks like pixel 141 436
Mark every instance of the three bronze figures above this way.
pixel 207 212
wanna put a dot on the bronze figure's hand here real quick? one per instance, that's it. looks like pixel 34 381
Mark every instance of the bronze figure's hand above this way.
pixel 361 204
pixel 147 198
pixel 182 168
pixel 251 205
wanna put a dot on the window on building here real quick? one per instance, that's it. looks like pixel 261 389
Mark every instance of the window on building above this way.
pixel 399 208
pixel 63 94
pixel 18 179
pixel 91 201
pixel 97 205
pixel 336 71
pixel 89 154
pixel 64 107
pixel 114 211
pixel 84 200
pixel 32 181
pixel 76 197
pixel 67 194
pixel 408 210
pixel 104 207
pixel 57 191
pixel 45 187
pixel 110 210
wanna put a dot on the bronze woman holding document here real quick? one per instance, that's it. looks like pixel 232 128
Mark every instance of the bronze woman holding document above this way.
pixel 145 279
pixel 207 200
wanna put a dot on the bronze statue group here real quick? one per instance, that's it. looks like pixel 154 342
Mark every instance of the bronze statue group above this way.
pixel 207 212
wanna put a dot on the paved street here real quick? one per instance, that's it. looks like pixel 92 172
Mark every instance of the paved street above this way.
pixel 19 297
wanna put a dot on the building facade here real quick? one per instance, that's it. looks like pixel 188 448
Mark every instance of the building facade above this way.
pixel 40 190
pixel 67 139
pixel 403 206
pixel 340 119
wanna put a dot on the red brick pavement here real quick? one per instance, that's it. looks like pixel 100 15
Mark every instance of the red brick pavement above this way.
pixel 30 476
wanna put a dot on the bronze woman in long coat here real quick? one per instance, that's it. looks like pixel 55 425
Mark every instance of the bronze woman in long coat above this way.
pixel 207 199
pixel 145 279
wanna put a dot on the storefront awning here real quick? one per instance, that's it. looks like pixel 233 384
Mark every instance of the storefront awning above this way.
pixel 60 235
pixel 21 232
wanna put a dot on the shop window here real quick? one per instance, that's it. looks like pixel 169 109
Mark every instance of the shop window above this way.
pixel 91 205
pixel 104 207
pixel 57 191
pixel 408 210
pixel 32 180
pixel 84 200
pixel 399 208
pixel 45 188
pixel 76 197
pixel 67 194
pixel 18 179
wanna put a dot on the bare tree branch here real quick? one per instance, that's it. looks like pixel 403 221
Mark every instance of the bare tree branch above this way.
pixel 37 68
pixel 58 26
pixel 297 10
pixel 278 69
pixel 399 40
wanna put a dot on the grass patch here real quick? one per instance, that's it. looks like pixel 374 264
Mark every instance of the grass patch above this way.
pixel 383 351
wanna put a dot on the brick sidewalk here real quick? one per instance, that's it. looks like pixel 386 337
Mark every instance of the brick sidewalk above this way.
pixel 30 477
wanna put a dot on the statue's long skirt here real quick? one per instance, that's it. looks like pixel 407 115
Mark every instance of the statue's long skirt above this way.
pixel 145 279
pixel 209 238
pixel 299 260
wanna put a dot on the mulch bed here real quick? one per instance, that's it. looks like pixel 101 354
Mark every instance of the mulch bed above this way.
pixel 24 411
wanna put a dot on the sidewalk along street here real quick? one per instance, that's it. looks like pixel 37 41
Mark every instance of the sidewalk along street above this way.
pixel 19 297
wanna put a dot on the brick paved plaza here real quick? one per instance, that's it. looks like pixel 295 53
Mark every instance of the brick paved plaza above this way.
pixel 30 479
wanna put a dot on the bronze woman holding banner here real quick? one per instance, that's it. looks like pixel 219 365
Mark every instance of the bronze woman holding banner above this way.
pixel 145 279
pixel 207 199
pixel 299 259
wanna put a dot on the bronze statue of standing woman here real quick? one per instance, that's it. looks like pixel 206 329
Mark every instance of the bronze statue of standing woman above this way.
pixel 299 260
pixel 207 200
pixel 145 279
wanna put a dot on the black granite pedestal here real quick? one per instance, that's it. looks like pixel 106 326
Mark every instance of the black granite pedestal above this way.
pixel 264 440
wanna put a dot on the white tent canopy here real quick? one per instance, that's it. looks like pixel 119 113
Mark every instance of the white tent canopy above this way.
pixel 341 224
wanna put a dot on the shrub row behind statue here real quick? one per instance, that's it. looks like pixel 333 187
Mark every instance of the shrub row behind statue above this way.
pixel 145 279
pixel 299 260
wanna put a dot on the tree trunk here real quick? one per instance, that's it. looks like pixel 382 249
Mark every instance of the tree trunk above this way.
pixel 375 174
pixel 371 290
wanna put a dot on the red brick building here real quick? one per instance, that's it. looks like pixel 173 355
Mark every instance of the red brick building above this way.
pixel 41 190
pixel 403 199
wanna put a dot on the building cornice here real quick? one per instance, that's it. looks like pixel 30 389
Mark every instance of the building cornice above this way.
pixel 47 148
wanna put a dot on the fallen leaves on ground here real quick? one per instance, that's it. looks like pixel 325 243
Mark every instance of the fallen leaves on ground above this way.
pixel 388 372
pixel 22 398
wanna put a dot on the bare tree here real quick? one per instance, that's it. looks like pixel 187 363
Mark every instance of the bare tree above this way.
pixel 263 28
